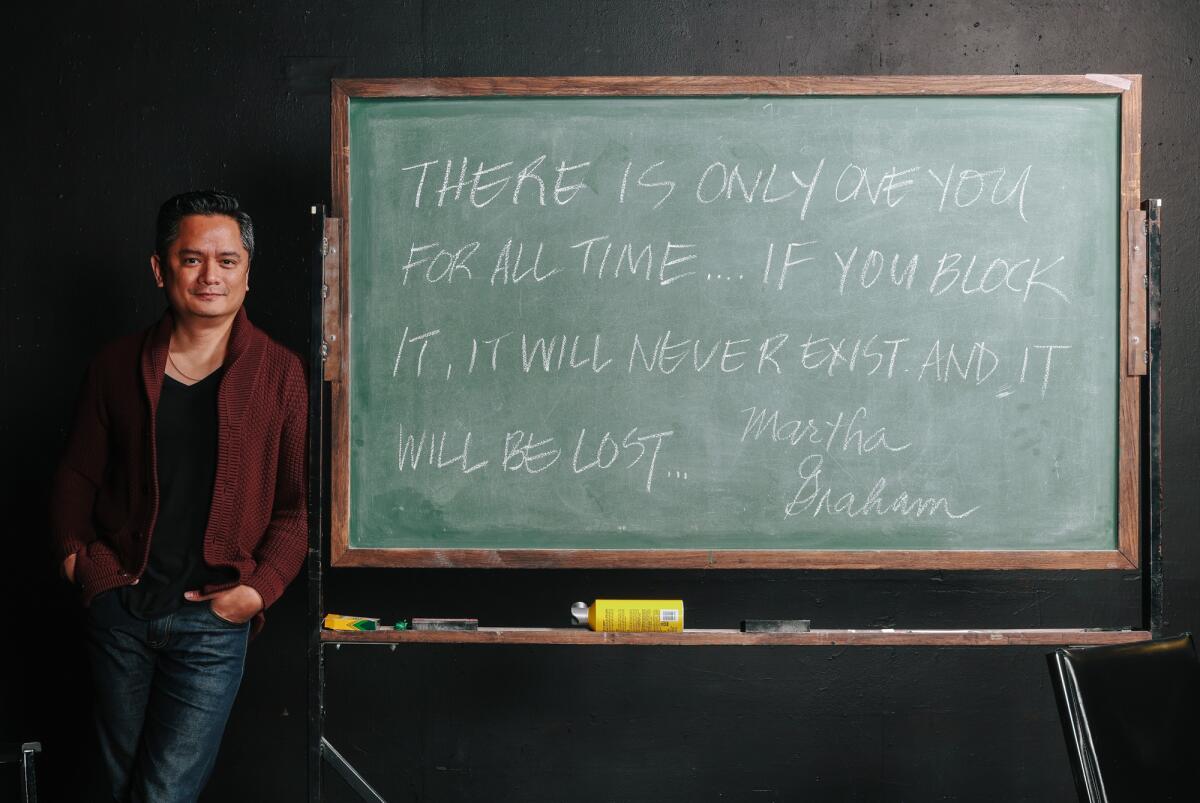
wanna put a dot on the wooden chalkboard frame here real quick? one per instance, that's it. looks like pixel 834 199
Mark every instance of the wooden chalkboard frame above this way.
pixel 1132 338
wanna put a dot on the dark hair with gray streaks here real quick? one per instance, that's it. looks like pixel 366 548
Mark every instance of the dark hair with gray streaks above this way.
pixel 199 202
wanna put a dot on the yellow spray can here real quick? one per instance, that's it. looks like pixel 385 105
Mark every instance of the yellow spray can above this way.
pixel 630 615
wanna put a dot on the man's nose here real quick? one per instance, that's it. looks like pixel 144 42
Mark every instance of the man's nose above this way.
pixel 210 273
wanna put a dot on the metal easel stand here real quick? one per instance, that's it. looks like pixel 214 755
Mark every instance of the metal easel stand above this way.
pixel 319 748
pixel 320 751
pixel 316 446
pixel 1152 497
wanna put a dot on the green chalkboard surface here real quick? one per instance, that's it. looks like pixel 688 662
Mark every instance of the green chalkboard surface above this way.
pixel 745 322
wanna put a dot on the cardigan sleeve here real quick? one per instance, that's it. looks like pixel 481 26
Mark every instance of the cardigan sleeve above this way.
pixel 80 471
pixel 283 547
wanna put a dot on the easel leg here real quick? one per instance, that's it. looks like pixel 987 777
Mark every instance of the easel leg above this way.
pixel 349 774
pixel 1152 602
pixel 316 522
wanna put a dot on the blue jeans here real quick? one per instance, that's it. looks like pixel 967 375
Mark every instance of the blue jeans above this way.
pixel 163 688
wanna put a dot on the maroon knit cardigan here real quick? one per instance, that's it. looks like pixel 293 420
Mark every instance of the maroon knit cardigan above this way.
pixel 104 500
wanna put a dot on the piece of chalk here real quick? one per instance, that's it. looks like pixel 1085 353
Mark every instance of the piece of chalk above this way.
pixel 445 624
pixel 776 625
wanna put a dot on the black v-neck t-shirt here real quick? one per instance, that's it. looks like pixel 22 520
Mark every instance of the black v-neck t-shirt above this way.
pixel 186 435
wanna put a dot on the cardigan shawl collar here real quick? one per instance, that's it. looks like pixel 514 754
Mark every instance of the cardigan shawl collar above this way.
pixel 243 357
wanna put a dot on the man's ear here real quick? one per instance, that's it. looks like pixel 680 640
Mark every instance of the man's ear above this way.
pixel 156 267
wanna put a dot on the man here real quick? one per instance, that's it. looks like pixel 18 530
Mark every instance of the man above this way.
pixel 179 506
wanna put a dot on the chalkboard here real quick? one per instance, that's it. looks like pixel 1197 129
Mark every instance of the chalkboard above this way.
pixel 821 324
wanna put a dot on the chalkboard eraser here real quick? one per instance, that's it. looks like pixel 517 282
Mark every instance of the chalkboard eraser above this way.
pixel 445 624
pixel 776 625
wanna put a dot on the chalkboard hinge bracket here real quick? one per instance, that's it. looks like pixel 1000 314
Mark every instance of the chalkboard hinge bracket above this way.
pixel 1137 285
pixel 331 297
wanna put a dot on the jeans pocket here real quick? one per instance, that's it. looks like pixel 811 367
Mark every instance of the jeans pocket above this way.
pixel 223 621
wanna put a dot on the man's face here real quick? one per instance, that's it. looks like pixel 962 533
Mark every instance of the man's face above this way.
pixel 206 270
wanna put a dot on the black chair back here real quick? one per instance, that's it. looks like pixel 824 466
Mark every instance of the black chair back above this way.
pixel 1131 714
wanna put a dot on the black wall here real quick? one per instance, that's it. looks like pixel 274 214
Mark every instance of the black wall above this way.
pixel 115 106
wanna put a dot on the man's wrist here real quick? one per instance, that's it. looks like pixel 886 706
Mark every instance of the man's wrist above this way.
pixel 266 581
pixel 257 596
